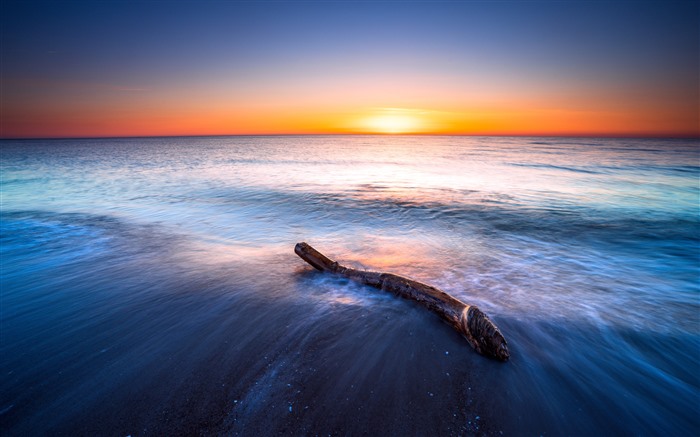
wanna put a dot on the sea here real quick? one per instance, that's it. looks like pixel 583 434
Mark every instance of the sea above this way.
pixel 149 286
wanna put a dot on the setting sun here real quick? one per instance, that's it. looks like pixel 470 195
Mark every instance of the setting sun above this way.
pixel 393 121
pixel 393 124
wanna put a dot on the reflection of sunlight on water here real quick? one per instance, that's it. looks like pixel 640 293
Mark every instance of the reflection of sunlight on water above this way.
pixel 345 300
pixel 381 253
pixel 328 291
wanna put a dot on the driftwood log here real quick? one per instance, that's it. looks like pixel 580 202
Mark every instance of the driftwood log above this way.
pixel 468 320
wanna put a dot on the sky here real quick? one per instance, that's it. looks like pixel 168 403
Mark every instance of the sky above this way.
pixel 153 67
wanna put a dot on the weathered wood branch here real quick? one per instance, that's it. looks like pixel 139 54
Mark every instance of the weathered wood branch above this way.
pixel 468 320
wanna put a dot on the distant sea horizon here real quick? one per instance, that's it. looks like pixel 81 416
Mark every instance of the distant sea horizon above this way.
pixel 379 134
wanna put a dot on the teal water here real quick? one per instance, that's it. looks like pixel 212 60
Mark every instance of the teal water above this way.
pixel 149 285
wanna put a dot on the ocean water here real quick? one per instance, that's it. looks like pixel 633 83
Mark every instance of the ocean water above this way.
pixel 149 286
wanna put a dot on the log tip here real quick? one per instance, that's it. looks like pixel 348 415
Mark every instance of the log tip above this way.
pixel 318 260
pixel 301 247
pixel 484 335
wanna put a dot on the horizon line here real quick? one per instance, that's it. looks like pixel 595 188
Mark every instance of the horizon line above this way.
pixel 377 134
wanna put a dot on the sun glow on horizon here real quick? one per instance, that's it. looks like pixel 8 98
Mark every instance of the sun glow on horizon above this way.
pixel 393 121
pixel 393 124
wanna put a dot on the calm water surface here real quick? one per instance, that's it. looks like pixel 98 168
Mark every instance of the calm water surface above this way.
pixel 149 286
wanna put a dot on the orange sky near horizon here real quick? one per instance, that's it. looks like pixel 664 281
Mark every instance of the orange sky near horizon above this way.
pixel 184 121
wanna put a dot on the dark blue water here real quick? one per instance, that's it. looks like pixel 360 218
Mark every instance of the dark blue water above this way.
pixel 149 286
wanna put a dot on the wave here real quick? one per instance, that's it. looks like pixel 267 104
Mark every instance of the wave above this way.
pixel 556 167
pixel 462 211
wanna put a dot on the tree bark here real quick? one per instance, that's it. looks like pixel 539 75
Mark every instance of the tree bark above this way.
pixel 468 320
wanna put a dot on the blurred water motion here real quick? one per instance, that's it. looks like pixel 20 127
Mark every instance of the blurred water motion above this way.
pixel 149 286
